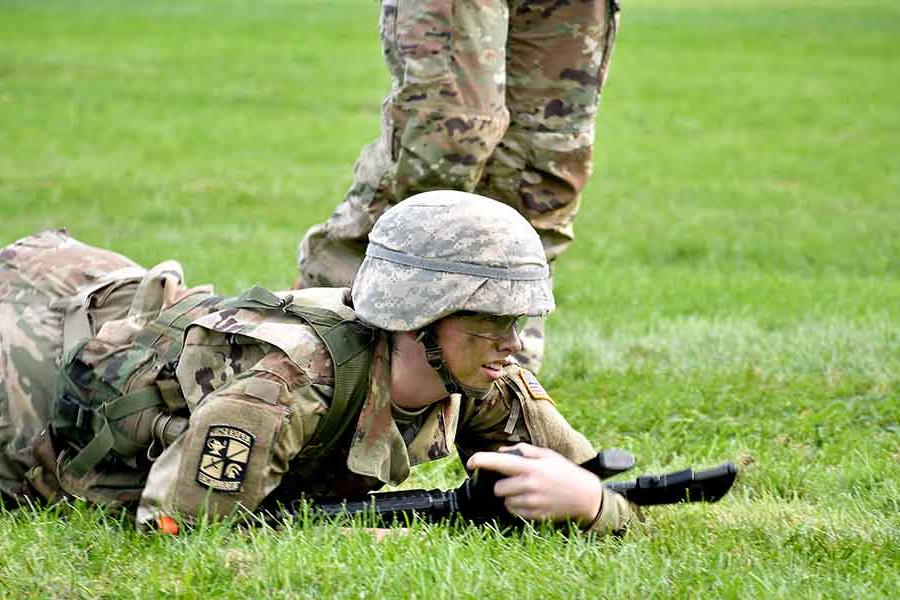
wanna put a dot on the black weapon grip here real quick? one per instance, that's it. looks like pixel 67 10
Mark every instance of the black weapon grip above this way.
pixel 476 499
pixel 609 463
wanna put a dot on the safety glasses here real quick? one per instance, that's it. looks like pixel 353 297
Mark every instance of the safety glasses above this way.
pixel 490 327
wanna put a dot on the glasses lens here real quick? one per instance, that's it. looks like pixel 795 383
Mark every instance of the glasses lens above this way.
pixel 495 327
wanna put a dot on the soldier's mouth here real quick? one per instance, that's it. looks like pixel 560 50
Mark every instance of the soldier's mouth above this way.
pixel 493 370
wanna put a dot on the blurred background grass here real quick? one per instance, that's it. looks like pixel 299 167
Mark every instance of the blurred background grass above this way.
pixel 732 292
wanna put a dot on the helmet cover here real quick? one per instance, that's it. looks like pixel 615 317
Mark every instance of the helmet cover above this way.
pixel 444 251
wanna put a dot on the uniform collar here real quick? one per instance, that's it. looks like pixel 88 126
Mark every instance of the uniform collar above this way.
pixel 378 449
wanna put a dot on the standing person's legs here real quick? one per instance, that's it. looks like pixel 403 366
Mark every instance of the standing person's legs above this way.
pixel 444 116
pixel 557 61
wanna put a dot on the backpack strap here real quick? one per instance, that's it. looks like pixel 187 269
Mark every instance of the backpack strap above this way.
pixel 76 323
pixel 106 439
pixel 347 341
pixel 100 419
pixel 171 324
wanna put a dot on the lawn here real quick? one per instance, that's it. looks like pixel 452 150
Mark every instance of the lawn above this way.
pixel 733 291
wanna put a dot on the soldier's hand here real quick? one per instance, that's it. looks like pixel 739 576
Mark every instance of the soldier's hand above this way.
pixel 542 484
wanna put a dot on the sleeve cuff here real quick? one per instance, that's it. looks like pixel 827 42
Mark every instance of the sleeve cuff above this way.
pixel 615 514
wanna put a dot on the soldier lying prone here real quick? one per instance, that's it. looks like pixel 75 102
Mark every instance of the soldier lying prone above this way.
pixel 122 386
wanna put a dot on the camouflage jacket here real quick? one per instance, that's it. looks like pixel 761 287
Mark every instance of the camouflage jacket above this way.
pixel 255 384
pixel 253 411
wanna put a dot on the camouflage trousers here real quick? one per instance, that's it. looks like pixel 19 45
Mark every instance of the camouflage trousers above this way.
pixel 38 274
pixel 498 97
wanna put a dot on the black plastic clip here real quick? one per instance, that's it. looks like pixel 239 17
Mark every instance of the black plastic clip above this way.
pixel 285 303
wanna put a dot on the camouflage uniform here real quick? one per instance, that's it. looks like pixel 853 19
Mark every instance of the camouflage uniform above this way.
pixel 54 292
pixel 34 273
pixel 259 422
pixel 255 386
pixel 495 97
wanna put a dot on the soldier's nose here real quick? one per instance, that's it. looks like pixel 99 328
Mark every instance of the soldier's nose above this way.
pixel 511 342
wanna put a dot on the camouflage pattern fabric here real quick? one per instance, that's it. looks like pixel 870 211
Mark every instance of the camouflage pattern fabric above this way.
pixel 35 272
pixel 253 413
pixel 55 294
pixel 445 251
pixel 257 385
pixel 497 97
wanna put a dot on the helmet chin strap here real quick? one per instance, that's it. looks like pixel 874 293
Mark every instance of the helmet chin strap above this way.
pixel 435 357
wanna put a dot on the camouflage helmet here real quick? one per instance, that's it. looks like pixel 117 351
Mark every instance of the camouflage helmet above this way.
pixel 445 251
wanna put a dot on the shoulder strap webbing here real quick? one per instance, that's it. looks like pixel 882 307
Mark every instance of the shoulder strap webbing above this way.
pixel 170 323
pixel 347 342
pixel 76 324
pixel 105 439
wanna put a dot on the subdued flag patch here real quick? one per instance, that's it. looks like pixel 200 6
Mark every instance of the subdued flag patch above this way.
pixel 226 454
pixel 534 386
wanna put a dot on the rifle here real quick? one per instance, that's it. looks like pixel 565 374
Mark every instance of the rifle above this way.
pixel 474 501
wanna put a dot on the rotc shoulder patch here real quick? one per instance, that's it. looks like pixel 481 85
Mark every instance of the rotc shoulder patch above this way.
pixel 226 454
pixel 534 387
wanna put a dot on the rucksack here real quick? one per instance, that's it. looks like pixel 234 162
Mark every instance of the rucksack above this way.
pixel 111 395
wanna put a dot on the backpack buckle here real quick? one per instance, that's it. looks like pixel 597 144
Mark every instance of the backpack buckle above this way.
pixel 285 303
pixel 73 410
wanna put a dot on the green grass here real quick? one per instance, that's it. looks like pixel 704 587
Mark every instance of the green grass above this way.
pixel 733 291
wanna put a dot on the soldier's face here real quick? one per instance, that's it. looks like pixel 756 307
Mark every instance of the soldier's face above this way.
pixel 476 346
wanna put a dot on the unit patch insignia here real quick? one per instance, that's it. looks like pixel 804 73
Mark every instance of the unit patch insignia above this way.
pixel 535 389
pixel 226 453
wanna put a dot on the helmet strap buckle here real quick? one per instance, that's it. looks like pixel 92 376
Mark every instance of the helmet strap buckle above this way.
pixel 435 357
